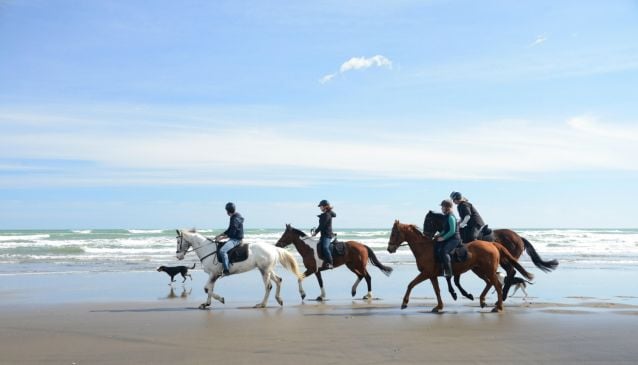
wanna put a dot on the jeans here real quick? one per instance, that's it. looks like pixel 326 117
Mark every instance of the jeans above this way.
pixel 223 252
pixel 324 242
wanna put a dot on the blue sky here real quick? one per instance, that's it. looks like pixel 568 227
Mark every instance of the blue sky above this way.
pixel 155 113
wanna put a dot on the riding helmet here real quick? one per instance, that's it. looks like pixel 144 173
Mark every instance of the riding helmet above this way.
pixel 230 207
pixel 455 195
pixel 324 203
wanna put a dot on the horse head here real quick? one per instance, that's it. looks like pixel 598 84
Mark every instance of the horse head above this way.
pixel 290 235
pixel 396 237
pixel 182 244
pixel 433 223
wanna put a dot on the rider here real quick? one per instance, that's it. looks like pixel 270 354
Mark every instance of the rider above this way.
pixel 471 221
pixel 325 228
pixel 234 233
pixel 448 238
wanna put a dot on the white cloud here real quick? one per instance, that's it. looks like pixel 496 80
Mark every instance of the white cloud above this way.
pixel 274 155
pixel 359 63
pixel 326 78
pixel 540 39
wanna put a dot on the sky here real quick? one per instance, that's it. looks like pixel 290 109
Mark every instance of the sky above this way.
pixel 154 114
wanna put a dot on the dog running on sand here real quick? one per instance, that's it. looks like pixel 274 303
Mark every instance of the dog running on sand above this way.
pixel 516 283
pixel 172 271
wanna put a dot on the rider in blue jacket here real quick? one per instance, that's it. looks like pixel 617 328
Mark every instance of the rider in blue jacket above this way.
pixel 234 233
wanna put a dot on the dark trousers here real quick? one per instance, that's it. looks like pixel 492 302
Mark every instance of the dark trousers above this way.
pixel 324 242
pixel 443 253
pixel 469 233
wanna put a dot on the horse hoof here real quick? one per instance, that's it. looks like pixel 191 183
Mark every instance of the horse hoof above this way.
pixel 203 306
pixel 319 299
pixel 496 310
pixel 303 296
pixel 259 305
pixel 281 302
pixel 470 297
pixel 483 305
pixel 436 310
pixel 367 297
pixel 222 300
pixel 353 293
pixel 453 296
pixel 403 306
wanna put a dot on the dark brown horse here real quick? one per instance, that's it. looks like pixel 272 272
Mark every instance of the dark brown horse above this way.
pixel 483 259
pixel 514 243
pixel 356 258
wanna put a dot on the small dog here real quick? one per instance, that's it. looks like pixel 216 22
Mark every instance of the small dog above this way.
pixel 516 283
pixel 172 271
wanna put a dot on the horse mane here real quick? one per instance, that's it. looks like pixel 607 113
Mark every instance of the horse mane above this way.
pixel 299 232
pixel 415 228
pixel 438 215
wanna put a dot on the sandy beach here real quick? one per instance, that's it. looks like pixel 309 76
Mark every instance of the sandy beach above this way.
pixel 79 324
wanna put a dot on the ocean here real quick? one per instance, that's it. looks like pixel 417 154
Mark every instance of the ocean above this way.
pixel 124 250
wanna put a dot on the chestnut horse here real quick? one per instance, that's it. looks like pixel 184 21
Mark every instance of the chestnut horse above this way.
pixel 483 259
pixel 514 243
pixel 356 258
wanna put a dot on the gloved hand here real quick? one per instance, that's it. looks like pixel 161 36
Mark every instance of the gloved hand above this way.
pixel 462 225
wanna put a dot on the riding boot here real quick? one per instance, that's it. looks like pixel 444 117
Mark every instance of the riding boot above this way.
pixel 447 266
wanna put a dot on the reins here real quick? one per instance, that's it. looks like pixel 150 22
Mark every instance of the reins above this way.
pixel 210 242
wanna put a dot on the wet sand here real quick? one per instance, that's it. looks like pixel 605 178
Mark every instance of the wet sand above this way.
pixel 135 318
pixel 313 333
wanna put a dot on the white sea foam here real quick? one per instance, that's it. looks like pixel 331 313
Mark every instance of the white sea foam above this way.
pixel 145 231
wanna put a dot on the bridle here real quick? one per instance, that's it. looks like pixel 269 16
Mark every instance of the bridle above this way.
pixel 393 238
pixel 181 246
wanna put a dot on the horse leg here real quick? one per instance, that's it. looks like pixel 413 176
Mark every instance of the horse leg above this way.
pixel 450 288
pixel 359 274
pixel 302 292
pixel 209 289
pixel 488 285
pixel 268 286
pixel 369 283
pixel 406 298
pixel 457 281
pixel 499 292
pixel 321 297
pixel 507 281
pixel 437 291
pixel 277 280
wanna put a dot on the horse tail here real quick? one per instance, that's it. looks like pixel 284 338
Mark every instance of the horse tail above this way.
pixel 386 270
pixel 193 266
pixel 546 266
pixel 288 261
pixel 507 256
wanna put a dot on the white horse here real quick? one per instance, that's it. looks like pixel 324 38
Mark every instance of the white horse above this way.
pixel 260 255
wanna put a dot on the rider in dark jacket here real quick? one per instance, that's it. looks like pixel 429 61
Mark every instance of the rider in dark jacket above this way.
pixel 325 228
pixel 448 239
pixel 471 221
pixel 234 233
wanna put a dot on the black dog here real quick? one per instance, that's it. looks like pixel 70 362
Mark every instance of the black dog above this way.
pixel 174 270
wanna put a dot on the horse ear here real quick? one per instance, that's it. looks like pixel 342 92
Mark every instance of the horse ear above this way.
pixel 430 211
pixel 179 233
pixel 396 221
pixel 287 226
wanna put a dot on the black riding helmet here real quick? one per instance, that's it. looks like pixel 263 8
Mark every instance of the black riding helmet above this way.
pixel 230 207
pixel 324 203
pixel 455 195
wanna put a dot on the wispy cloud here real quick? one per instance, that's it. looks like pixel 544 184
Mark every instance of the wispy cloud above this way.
pixel 273 155
pixel 359 63
pixel 540 39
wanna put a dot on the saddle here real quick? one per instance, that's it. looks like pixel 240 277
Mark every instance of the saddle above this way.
pixel 459 254
pixel 236 254
pixel 485 234
pixel 337 248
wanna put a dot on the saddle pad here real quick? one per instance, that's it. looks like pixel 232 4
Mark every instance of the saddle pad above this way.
pixel 236 254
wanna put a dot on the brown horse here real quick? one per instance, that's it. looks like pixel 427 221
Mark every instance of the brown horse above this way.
pixel 355 258
pixel 483 259
pixel 514 243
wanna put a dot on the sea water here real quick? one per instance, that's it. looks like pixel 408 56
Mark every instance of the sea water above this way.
pixel 121 250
